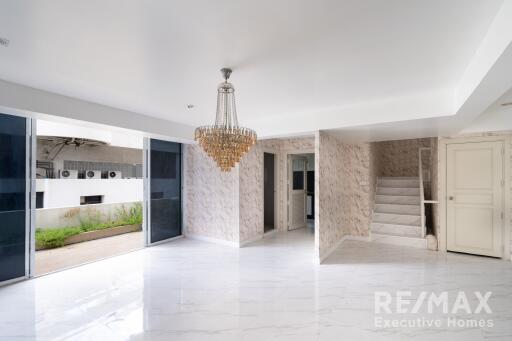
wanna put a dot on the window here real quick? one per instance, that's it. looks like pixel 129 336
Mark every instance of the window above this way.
pixel 298 167
pixel 91 199
pixel 298 180
pixel 39 199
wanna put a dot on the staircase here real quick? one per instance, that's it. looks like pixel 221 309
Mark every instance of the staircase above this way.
pixel 397 214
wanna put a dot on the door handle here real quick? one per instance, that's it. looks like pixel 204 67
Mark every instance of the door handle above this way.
pixel 451 197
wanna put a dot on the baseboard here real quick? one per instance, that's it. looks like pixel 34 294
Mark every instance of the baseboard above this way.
pixel 331 250
pixel 251 240
pixel 339 242
pixel 358 238
pixel 269 233
pixel 213 240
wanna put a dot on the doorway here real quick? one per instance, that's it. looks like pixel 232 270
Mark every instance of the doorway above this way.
pixel 78 192
pixel 89 187
pixel 269 192
pixel 301 189
pixel 475 197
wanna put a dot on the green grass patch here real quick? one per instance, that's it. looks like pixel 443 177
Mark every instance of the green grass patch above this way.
pixel 52 238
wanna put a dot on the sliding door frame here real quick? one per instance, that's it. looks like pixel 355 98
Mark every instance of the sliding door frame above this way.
pixel 30 195
pixel 146 171
pixel 30 231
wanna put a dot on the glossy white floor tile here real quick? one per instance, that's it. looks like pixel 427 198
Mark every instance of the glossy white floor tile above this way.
pixel 270 290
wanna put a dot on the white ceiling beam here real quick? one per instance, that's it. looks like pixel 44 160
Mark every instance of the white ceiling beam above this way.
pixel 41 104
pixel 489 74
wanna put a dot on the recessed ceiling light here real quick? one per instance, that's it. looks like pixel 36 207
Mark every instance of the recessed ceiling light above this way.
pixel 190 106
pixel 506 104
pixel 4 42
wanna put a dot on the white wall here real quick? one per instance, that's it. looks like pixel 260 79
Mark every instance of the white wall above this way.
pixel 67 192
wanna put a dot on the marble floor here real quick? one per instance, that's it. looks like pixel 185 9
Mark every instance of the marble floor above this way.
pixel 270 290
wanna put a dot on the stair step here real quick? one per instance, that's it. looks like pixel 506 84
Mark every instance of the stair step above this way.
pixel 396 230
pixel 397 182
pixel 397 209
pixel 398 191
pixel 397 199
pixel 397 219
pixel 420 243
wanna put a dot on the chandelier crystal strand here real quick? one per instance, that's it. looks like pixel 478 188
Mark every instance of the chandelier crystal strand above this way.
pixel 225 141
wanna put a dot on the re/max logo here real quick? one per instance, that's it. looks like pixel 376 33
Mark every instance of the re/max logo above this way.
pixel 404 303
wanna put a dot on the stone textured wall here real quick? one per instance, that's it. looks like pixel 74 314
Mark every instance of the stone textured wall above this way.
pixel 229 206
pixel 399 158
pixel 328 192
pixel 346 189
pixel 251 194
pixel 358 177
pixel 212 198
pixel 251 183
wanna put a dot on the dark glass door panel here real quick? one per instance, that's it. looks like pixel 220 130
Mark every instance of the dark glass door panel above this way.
pixel 165 184
pixel 13 185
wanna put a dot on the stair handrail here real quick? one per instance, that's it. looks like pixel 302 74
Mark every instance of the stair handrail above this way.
pixel 422 190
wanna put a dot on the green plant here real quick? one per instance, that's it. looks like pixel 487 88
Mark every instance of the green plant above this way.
pixel 131 217
pixel 51 238
pixel 91 221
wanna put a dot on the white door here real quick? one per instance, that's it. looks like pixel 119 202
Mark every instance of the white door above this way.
pixel 475 198
pixel 296 192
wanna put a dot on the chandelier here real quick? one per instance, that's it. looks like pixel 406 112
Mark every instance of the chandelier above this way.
pixel 225 141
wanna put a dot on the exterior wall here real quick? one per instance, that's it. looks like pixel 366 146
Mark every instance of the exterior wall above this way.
pixel 212 198
pixel 328 192
pixel 399 158
pixel 50 218
pixel 46 152
pixel 67 192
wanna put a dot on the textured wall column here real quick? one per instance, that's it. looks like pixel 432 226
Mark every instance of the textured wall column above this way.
pixel 328 193
pixel 211 198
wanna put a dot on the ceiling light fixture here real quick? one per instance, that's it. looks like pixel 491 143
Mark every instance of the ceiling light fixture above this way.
pixel 225 141
pixel 4 42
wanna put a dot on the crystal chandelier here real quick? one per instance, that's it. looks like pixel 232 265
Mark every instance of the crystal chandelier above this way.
pixel 225 141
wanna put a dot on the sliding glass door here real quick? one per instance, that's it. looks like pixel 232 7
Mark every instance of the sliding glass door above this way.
pixel 14 197
pixel 163 213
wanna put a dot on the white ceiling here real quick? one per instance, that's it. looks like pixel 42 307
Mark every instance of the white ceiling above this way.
pixel 299 65
pixel 497 117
